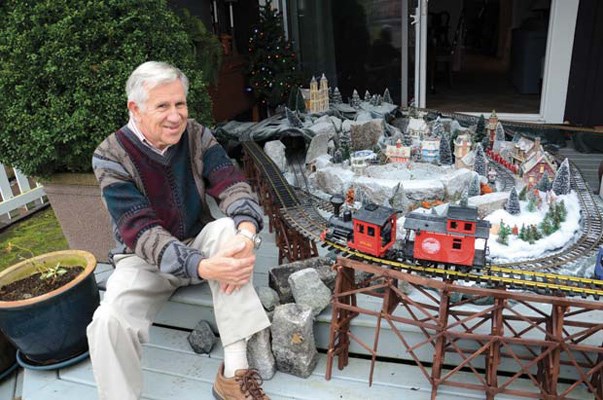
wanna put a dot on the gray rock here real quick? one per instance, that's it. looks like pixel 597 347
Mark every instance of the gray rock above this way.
pixel 268 297
pixel 319 146
pixel 202 338
pixel 308 289
pixel 275 149
pixel 367 135
pixel 278 277
pixel 293 342
pixel 259 354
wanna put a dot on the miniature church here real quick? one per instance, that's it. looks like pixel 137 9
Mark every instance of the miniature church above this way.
pixel 319 95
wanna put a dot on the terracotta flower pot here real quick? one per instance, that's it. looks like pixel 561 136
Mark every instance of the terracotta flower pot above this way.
pixel 51 328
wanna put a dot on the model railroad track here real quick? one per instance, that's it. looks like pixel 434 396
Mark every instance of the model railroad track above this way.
pixel 503 176
pixel 532 275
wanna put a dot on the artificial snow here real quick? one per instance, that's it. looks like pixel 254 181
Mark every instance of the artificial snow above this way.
pixel 519 250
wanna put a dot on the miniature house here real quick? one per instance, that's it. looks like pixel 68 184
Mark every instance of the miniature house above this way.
pixel 462 147
pixel 417 129
pixel 430 150
pixel 398 153
pixel 524 148
pixel 534 168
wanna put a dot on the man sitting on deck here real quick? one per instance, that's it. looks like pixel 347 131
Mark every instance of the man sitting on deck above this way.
pixel 154 173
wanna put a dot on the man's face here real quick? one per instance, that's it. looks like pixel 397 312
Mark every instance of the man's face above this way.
pixel 163 118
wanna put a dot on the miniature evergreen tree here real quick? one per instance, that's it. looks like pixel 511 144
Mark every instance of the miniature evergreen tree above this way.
pixel 464 198
pixel 503 233
pixel 480 130
pixel 523 233
pixel 387 98
pixel 293 119
pixel 544 184
pixel 523 193
pixel 445 151
pixel 486 142
pixel 437 129
pixel 337 99
pixel 474 189
pixel 367 96
pixel 480 164
pixel 355 99
pixel 512 205
pixel 296 100
pixel 272 62
pixel 499 134
pixel 547 226
pixel 561 183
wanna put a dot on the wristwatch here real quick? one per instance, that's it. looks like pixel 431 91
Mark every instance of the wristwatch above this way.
pixel 254 237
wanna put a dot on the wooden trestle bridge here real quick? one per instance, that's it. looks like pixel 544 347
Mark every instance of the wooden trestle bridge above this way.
pixel 499 333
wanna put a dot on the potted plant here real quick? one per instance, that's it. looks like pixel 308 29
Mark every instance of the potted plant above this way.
pixel 63 68
pixel 46 303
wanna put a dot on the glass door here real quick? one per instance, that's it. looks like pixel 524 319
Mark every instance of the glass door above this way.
pixel 513 56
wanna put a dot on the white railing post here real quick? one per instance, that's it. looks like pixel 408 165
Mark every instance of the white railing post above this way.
pixel 10 201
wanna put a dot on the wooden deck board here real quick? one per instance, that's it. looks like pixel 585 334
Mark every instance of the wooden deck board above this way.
pixel 172 371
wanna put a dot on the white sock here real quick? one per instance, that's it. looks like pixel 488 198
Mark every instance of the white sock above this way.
pixel 235 357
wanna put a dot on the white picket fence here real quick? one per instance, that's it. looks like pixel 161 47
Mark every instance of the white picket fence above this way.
pixel 22 198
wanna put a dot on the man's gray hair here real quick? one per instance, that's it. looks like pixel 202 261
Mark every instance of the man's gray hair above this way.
pixel 149 75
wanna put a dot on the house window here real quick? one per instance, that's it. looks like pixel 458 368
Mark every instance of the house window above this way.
pixel 468 226
pixel 371 231
pixel 456 244
pixel 361 229
pixel 541 169
pixel 453 225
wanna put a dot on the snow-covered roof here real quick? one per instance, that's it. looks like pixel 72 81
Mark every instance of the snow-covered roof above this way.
pixel 417 124
pixel 464 138
pixel 535 159
pixel 524 144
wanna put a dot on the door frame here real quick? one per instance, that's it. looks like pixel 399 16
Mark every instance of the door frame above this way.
pixel 560 42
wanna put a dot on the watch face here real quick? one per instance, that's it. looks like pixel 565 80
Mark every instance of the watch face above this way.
pixel 257 241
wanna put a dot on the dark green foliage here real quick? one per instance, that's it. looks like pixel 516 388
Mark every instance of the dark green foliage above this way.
pixel 273 69
pixel 544 185
pixel 503 233
pixel 296 100
pixel 207 48
pixel 63 69
pixel 523 193
pixel 480 130
pixel 480 164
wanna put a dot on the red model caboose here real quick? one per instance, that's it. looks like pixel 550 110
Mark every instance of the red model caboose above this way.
pixel 374 230
pixel 447 239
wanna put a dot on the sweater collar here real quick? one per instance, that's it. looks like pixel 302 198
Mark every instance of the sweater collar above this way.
pixel 134 128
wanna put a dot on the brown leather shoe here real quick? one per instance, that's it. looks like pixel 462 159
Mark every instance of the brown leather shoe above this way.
pixel 245 385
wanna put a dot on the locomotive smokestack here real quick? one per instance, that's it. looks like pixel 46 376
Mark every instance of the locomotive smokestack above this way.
pixel 336 202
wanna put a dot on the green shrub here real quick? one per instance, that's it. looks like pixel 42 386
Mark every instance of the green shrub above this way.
pixel 63 68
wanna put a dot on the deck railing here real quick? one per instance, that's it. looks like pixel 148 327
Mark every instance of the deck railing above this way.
pixel 23 196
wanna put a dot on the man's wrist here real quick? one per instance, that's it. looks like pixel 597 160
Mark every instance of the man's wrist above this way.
pixel 255 238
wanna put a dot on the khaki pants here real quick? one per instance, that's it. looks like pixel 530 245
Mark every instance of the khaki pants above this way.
pixel 136 291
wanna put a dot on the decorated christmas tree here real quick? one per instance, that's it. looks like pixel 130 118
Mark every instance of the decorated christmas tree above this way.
pixel 273 69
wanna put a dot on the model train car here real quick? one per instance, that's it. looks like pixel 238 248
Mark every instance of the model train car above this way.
pixel 371 230
pixel 456 238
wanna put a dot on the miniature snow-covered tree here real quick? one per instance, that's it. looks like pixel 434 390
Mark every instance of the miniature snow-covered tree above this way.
pixel 355 99
pixel 480 164
pixel 387 98
pixel 512 205
pixel 523 193
pixel 474 189
pixel 544 184
pixel 499 133
pixel 503 233
pixel 561 183
pixel 445 151
pixel 480 130
pixel 296 100
pixel 337 99
pixel 437 129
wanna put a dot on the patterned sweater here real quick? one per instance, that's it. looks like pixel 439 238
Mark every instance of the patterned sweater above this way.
pixel 157 202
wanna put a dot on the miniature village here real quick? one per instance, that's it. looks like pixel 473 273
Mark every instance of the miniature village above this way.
pixel 369 151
